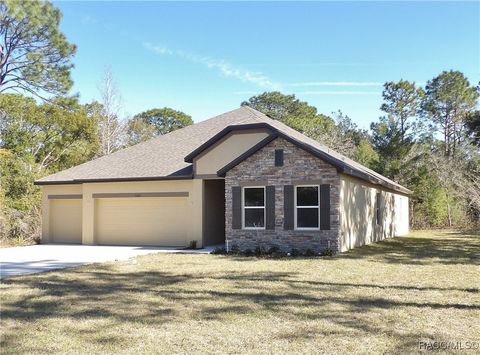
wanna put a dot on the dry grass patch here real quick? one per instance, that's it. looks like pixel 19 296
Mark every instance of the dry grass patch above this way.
pixel 14 242
pixel 385 297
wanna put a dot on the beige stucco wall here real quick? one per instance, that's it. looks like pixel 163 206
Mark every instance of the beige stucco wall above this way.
pixel 358 225
pixel 192 214
pixel 227 149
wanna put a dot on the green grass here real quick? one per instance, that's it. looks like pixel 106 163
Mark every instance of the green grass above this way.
pixel 382 298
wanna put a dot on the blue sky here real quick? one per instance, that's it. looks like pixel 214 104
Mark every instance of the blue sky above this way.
pixel 206 58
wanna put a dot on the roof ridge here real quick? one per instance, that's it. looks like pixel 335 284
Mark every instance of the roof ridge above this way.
pixel 260 115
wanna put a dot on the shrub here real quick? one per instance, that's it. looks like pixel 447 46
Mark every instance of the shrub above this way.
pixel 309 252
pixel 260 250
pixel 279 254
pixel 249 252
pixel 235 250
pixel 219 251
pixel 273 250
pixel 18 225
pixel 193 244
pixel 328 252
pixel 295 252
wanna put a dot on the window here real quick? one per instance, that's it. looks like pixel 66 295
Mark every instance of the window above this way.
pixel 278 157
pixel 307 208
pixel 254 207
pixel 377 207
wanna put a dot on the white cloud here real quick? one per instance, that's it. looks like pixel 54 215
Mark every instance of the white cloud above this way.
pixel 232 71
pixel 158 49
pixel 225 68
pixel 337 83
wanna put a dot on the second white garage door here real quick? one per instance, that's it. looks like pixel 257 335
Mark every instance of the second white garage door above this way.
pixel 161 221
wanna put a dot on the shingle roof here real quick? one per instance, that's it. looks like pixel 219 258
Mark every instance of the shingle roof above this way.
pixel 164 157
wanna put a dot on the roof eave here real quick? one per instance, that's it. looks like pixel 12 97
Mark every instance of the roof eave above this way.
pixel 337 163
pixel 375 181
pixel 126 179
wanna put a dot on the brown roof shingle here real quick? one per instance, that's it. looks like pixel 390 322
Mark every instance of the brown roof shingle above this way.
pixel 163 157
pixel 159 157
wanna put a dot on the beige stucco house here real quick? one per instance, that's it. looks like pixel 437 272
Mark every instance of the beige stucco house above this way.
pixel 240 178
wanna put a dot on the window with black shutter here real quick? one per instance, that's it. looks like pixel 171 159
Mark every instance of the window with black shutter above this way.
pixel 254 207
pixel 307 207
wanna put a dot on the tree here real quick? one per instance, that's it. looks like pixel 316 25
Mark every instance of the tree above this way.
pixel 473 127
pixel 455 183
pixel 280 106
pixel 387 140
pixel 155 122
pixel 289 110
pixel 366 154
pixel 346 138
pixel 110 128
pixel 401 101
pixel 139 131
pixel 393 135
pixel 449 99
pixel 35 140
pixel 339 133
pixel 19 199
pixel 34 54
pixel 50 136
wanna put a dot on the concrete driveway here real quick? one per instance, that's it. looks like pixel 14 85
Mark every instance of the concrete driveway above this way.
pixel 39 258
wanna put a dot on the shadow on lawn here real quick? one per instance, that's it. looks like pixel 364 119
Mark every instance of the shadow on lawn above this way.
pixel 291 280
pixel 449 249
pixel 94 288
pixel 159 297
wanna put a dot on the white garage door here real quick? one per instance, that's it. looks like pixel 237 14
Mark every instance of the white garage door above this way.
pixel 161 221
pixel 66 220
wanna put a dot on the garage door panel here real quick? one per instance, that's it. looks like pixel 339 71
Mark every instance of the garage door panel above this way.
pixel 141 221
pixel 66 220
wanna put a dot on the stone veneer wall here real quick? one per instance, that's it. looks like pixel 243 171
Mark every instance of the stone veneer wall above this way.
pixel 299 166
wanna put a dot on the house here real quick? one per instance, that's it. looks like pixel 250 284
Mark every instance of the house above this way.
pixel 240 177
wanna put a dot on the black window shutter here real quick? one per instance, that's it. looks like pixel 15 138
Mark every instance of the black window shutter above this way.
pixel 236 207
pixel 288 207
pixel 278 157
pixel 325 207
pixel 270 206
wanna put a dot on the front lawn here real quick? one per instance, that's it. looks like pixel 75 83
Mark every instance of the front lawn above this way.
pixel 383 298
